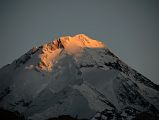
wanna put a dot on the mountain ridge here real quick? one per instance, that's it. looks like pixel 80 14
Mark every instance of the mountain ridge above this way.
pixel 85 80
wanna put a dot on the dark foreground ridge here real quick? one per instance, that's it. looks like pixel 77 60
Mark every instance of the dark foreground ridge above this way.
pixel 8 115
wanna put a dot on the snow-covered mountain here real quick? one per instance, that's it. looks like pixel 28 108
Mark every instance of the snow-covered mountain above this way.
pixel 76 76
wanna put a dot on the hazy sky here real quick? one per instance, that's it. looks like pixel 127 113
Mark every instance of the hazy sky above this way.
pixel 130 28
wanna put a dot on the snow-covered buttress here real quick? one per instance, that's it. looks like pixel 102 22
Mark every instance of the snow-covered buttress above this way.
pixel 75 76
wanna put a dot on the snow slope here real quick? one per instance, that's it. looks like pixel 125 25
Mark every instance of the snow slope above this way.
pixel 75 76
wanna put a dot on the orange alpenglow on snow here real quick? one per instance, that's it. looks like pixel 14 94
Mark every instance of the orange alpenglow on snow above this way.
pixel 81 40
pixel 71 45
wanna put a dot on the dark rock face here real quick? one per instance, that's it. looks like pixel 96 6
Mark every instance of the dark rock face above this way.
pixel 146 116
pixel 126 114
pixel 5 93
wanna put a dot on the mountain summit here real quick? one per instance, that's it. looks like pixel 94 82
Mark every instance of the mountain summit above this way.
pixel 71 45
pixel 80 40
pixel 76 78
